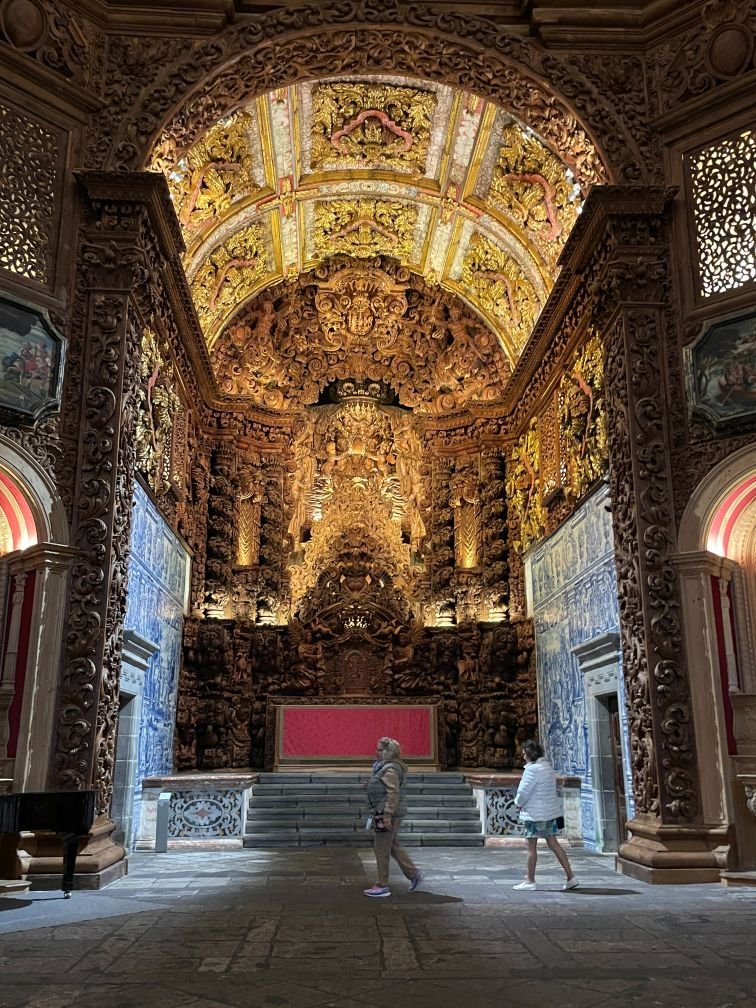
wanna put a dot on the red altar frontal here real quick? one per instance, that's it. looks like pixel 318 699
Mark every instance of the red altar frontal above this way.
pixel 307 733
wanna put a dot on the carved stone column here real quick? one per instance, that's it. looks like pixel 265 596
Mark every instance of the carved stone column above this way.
pixel 127 231
pixel 668 841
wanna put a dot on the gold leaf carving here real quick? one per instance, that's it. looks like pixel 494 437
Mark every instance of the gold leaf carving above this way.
pixel 364 228
pixel 524 489
pixel 229 275
pixel 582 415
pixel 353 321
pixel 534 187
pixel 211 174
pixel 497 283
pixel 370 126
pixel 356 485
pixel 159 406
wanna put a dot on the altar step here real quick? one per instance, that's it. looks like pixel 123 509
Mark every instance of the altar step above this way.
pixel 316 809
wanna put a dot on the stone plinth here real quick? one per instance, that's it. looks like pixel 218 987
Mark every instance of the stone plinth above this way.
pixel 207 806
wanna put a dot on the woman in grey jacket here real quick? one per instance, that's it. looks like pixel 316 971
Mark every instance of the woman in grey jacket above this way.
pixel 385 793
pixel 540 808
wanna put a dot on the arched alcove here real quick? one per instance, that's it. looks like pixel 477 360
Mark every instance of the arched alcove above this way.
pixel 717 565
pixel 34 564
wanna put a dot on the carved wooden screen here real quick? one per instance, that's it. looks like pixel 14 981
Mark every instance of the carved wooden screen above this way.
pixel 33 157
pixel 721 181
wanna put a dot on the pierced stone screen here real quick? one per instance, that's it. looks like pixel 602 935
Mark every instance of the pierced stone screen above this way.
pixel 723 189
pixel 29 154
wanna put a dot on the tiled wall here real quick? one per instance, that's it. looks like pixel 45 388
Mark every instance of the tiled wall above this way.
pixel 158 577
pixel 573 586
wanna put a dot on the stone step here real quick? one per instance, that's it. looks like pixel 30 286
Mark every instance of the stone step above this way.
pixel 329 824
pixel 318 789
pixel 414 815
pixel 359 800
pixel 310 809
pixel 359 777
pixel 262 841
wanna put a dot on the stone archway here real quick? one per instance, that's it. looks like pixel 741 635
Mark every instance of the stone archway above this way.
pixel 589 106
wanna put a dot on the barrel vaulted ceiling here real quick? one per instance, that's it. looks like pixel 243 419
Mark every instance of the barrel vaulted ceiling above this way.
pixel 452 186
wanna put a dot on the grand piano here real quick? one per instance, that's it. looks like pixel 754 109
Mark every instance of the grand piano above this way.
pixel 70 814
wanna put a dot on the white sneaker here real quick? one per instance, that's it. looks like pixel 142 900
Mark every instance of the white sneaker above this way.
pixel 525 885
pixel 571 884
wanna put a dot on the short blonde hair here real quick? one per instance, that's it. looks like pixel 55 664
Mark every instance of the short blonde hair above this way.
pixel 390 748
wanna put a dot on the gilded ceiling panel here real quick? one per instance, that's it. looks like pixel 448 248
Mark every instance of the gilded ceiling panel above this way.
pixel 364 228
pixel 230 275
pixel 442 180
pixel 497 284
pixel 370 125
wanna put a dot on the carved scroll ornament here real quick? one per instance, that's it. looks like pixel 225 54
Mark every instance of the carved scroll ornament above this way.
pixel 373 321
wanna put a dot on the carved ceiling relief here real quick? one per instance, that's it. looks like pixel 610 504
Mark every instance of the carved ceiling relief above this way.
pixel 534 187
pixel 502 290
pixel 212 174
pixel 364 228
pixel 364 125
pixel 376 166
pixel 374 321
pixel 230 274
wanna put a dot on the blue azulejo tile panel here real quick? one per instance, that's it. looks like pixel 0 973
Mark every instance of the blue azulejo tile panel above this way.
pixel 198 815
pixel 574 597
pixel 158 580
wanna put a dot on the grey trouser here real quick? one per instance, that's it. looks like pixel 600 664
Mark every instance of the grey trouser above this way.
pixel 386 847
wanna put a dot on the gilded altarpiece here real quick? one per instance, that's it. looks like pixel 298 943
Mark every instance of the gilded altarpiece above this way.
pixel 353 578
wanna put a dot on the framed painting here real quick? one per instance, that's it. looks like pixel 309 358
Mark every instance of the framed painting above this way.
pixel 31 363
pixel 722 371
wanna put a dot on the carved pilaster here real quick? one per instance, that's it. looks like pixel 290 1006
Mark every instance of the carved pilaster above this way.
pixel 633 313
pixel 661 725
pixel 116 260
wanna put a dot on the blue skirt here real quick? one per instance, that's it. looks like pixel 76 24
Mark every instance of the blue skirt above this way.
pixel 540 828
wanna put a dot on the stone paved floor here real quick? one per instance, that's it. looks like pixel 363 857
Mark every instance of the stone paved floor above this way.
pixel 291 929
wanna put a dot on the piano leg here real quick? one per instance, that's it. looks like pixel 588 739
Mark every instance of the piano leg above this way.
pixel 70 848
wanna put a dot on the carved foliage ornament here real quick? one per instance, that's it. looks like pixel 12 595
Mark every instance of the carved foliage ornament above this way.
pixel 501 289
pixel 213 173
pixel 524 493
pixel 467 51
pixel 370 126
pixel 582 420
pixel 229 276
pixel 356 476
pixel 364 228
pixel 375 321
pixel 55 35
pixel 159 406
pixel 531 184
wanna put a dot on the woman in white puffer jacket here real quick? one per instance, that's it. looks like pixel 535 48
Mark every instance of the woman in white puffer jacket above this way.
pixel 540 807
